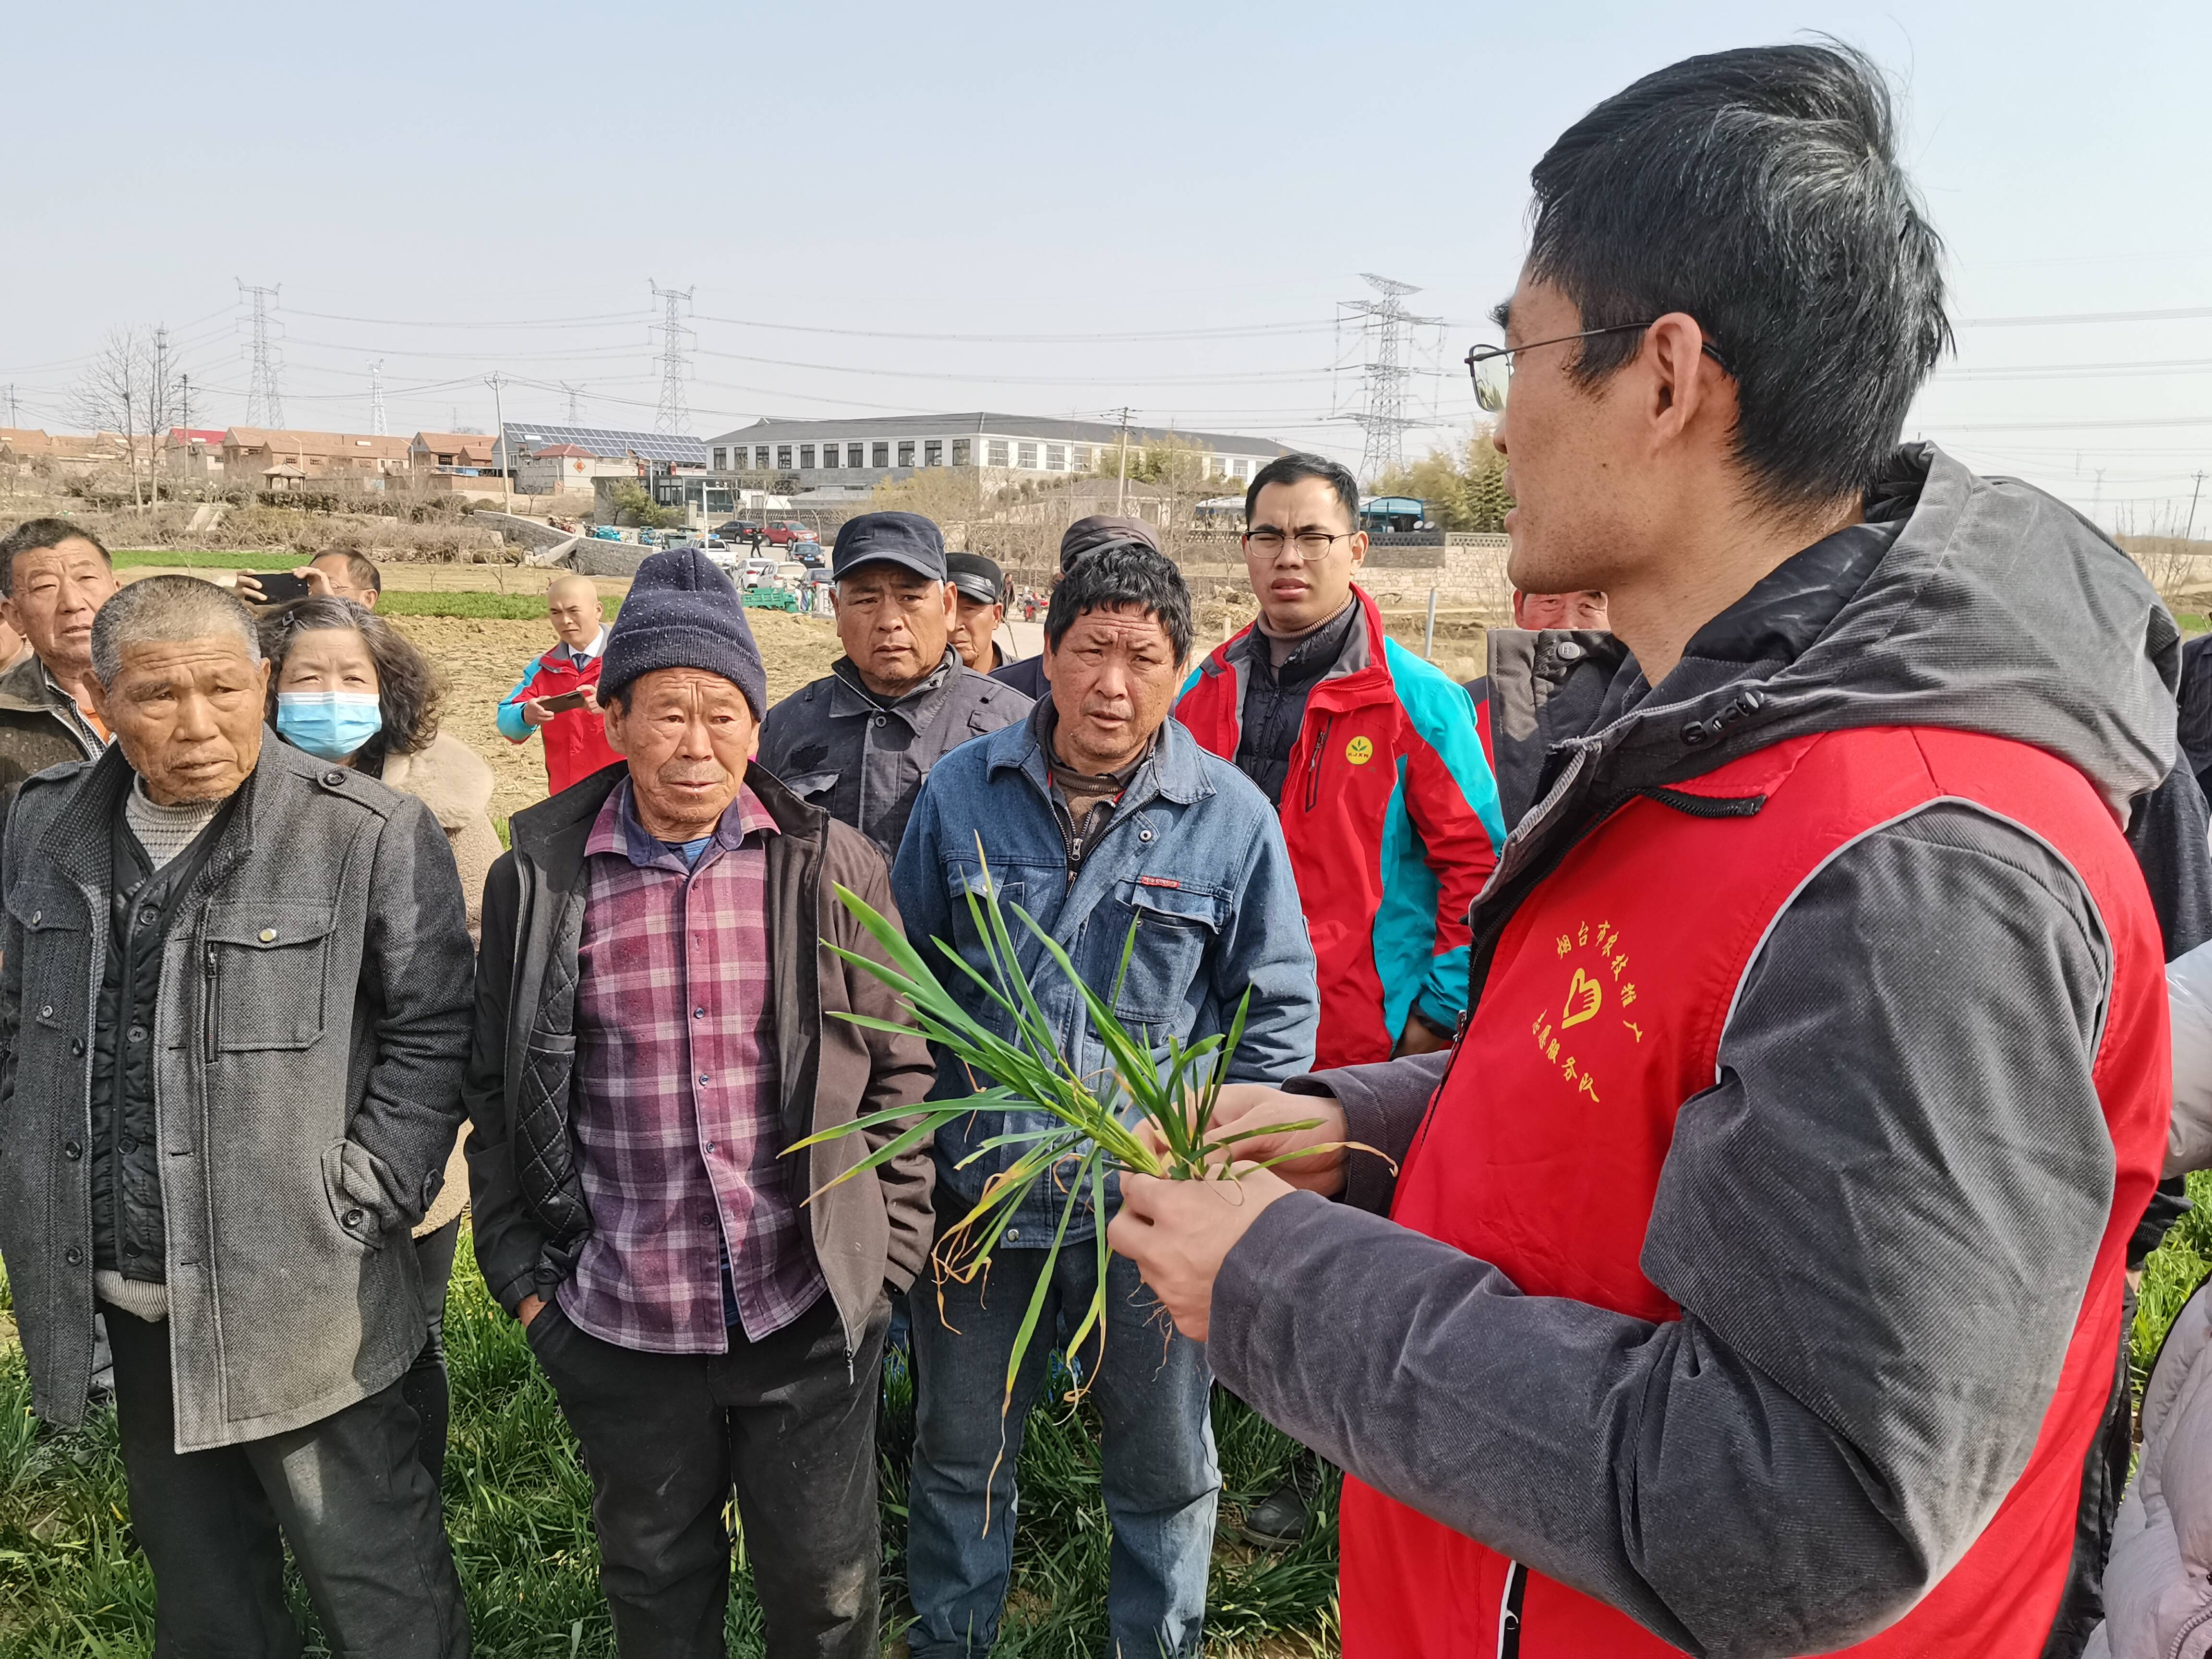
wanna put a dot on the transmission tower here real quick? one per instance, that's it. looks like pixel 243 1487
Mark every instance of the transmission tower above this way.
pixel 575 417
pixel 672 416
pixel 264 400
pixel 376 398
pixel 1386 328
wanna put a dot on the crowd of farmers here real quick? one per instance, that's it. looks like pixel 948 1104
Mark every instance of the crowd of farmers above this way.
pixel 1700 1093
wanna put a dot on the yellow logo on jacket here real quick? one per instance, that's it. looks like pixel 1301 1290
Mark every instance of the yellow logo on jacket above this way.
pixel 1359 750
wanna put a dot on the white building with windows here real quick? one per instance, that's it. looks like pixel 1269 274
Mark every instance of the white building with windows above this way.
pixel 819 454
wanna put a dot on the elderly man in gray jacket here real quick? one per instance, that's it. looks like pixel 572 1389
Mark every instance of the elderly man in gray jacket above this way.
pixel 234 1012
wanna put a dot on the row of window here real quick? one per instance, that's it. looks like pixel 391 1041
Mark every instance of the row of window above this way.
pixel 997 452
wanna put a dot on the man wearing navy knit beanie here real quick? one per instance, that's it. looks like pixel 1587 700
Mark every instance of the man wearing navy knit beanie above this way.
pixel 650 957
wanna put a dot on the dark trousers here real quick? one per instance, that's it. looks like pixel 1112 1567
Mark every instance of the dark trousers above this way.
pixel 349 1493
pixel 426 1385
pixel 789 1422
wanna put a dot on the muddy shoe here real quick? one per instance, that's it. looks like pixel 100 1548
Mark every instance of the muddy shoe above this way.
pixel 1277 1520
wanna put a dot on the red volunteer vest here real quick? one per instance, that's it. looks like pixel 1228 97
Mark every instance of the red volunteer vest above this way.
pixel 575 738
pixel 1602 1014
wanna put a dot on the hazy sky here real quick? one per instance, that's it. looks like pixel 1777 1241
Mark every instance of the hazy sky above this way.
pixel 837 179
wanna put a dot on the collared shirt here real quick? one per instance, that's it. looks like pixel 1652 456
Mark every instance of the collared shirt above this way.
pixel 596 648
pixel 676 1095
pixel 83 725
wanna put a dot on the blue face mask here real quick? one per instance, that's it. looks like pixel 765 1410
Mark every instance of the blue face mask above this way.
pixel 331 725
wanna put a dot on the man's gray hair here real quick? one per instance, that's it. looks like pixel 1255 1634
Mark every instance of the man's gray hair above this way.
pixel 170 610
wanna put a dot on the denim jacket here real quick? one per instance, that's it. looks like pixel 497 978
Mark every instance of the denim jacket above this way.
pixel 1193 855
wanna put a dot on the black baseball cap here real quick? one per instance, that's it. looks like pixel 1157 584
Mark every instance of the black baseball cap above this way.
pixel 900 538
pixel 977 577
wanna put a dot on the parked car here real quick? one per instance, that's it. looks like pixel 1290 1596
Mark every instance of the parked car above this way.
pixel 786 534
pixel 758 570
pixel 790 575
pixel 741 530
pixel 606 533
pixel 810 553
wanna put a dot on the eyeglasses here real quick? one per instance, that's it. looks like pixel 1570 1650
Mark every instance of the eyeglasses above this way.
pixel 1490 368
pixel 1312 545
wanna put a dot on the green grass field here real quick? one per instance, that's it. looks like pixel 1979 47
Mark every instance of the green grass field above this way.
pixel 518 1508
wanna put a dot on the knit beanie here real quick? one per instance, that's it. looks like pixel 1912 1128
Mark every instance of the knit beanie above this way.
pixel 682 613
pixel 1087 536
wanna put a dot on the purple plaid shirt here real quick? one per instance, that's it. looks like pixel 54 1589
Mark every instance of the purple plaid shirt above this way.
pixel 676 1097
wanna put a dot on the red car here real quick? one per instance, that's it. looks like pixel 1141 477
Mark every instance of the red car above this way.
pixel 786 534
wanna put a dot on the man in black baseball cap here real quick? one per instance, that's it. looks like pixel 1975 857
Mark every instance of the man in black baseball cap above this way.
pixel 978 590
pixel 859 741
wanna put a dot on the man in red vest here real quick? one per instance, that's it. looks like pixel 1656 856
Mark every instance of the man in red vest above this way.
pixel 575 736
pixel 1752 1273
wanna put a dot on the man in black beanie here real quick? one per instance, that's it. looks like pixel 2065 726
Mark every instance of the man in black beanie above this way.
pixel 649 1038
pixel 860 740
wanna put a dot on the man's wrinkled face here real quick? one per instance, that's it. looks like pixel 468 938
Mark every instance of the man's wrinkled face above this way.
pixel 1584 609
pixel 894 623
pixel 187 714
pixel 338 571
pixel 972 629
pixel 688 736
pixel 1114 676
pixel 57 591
pixel 1571 453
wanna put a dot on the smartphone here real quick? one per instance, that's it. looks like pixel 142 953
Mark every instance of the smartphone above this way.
pixel 561 704
pixel 279 587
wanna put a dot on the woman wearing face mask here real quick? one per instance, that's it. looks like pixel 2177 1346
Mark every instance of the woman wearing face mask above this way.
pixel 345 685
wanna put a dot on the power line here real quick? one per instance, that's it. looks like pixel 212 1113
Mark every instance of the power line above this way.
pixel 263 394
pixel 671 415
pixel 1241 332
pixel 540 322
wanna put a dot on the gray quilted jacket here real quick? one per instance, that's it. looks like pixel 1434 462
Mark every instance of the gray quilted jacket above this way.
pixel 310 1032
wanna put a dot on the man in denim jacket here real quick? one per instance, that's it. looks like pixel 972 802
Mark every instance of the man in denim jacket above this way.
pixel 1096 813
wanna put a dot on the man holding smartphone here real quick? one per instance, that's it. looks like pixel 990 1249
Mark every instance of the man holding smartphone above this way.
pixel 558 694
pixel 326 576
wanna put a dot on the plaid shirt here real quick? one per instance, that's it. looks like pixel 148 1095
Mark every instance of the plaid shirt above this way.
pixel 676 1093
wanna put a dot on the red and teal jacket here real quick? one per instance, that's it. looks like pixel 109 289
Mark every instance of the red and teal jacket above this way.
pixel 1392 817
pixel 575 738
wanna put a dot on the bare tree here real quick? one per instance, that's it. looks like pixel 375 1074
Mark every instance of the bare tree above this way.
pixel 130 387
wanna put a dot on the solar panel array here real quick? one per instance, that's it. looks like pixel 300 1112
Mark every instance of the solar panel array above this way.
pixel 528 437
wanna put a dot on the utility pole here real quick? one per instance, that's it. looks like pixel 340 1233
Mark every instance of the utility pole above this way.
pixel 15 419
pixel 265 399
pixel 499 414
pixel 1121 477
pixel 672 416
pixel 157 411
pixel 376 423
pixel 1387 326
pixel 2190 534
pixel 2096 501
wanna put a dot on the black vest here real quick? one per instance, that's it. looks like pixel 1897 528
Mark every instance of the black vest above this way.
pixel 128 1236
